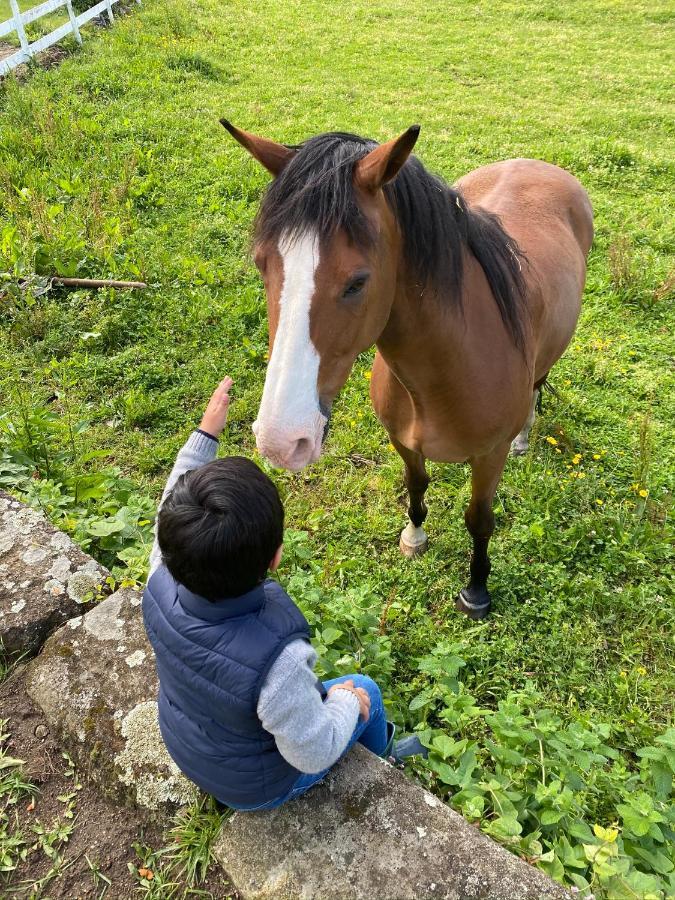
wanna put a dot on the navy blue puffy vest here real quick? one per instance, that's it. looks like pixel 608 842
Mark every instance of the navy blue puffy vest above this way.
pixel 212 660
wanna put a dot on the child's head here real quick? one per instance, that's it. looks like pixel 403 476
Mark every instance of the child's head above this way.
pixel 221 527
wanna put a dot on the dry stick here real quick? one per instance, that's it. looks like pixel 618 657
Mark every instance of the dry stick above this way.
pixel 98 283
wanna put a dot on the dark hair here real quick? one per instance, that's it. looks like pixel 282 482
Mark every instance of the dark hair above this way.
pixel 316 190
pixel 220 527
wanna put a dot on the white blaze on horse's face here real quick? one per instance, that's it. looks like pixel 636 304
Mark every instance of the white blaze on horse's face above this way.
pixel 290 425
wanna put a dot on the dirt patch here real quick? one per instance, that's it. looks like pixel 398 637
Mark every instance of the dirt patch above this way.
pixel 6 50
pixel 104 832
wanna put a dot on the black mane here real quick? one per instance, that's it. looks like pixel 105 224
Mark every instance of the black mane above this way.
pixel 315 191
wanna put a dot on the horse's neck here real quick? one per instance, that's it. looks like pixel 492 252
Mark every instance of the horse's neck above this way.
pixel 453 362
pixel 422 341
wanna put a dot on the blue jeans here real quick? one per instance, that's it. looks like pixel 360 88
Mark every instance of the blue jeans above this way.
pixel 372 734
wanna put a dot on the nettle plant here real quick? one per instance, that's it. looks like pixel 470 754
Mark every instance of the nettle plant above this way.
pixel 346 624
pixel 554 792
pixel 41 463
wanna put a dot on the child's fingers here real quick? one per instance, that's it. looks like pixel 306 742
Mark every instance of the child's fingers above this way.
pixel 364 695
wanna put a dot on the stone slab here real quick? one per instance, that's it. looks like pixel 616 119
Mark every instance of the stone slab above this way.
pixel 45 579
pixel 369 833
pixel 96 682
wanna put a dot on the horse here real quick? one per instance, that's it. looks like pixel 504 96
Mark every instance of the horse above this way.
pixel 470 294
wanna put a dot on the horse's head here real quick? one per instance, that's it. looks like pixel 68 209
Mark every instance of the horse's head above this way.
pixel 327 248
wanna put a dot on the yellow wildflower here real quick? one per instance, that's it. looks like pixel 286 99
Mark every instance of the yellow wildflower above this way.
pixel 596 456
pixel 641 670
pixel 552 441
pixel 608 835
pixel 576 459
pixel 368 376
pixel 391 447
pixel 599 502
pixel 644 492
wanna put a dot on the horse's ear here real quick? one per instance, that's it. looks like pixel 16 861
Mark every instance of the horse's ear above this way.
pixel 383 163
pixel 268 153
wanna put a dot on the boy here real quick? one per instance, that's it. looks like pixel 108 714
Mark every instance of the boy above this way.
pixel 240 710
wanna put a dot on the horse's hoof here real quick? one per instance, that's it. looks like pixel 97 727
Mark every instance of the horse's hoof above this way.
pixel 414 541
pixel 474 603
pixel 519 449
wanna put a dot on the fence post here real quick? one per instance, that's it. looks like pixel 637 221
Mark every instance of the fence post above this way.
pixel 73 21
pixel 20 30
pixel 109 11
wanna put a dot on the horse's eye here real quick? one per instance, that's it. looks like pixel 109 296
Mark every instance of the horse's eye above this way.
pixel 356 286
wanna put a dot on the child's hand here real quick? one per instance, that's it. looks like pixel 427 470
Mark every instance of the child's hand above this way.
pixel 215 416
pixel 360 693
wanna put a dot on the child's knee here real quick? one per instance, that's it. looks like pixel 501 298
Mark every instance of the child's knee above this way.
pixel 366 682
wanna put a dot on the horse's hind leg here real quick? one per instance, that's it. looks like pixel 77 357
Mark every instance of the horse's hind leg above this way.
pixel 475 600
pixel 414 540
pixel 521 442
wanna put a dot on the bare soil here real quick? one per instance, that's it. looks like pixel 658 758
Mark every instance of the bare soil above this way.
pixel 104 832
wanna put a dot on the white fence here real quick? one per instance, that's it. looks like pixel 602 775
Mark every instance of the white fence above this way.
pixel 19 20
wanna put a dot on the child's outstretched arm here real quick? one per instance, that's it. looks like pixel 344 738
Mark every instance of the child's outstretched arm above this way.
pixel 200 448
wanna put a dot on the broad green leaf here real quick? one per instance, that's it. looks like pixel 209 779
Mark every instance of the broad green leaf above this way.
pixel 505 826
pixel 446 746
pixel 551 816
pixel 104 527
pixel 330 635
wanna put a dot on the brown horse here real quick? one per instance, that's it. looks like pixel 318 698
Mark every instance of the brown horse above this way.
pixel 470 293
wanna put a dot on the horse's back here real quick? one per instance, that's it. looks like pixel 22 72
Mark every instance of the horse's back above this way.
pixel 547 211
pixel 529 193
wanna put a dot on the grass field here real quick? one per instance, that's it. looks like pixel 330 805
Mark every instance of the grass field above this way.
pixel 114 164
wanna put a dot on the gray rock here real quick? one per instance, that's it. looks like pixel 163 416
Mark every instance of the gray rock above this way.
pixel 45 578
pixel 369 833
pixel 96 682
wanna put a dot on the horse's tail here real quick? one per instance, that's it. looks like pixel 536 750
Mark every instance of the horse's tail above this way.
pixel 545 385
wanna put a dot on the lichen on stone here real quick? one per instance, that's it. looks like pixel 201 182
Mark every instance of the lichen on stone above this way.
pixel 60 568
pixel 34 555
pixel 7 541
pixel 81 585
pixel 104 621
pixel 145 764
pixel 54 587
pixel 60 541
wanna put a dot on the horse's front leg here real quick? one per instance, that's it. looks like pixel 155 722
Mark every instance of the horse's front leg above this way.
pixel 475 600
pixel 414 540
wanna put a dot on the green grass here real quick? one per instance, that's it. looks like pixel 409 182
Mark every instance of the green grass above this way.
pixel 114 164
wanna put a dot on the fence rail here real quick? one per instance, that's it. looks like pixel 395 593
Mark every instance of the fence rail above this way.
pixel 27 49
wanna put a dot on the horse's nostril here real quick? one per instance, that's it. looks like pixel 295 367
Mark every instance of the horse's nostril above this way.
pixel 301 454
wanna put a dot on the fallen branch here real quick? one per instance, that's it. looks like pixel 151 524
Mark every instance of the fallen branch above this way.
pixel 98 283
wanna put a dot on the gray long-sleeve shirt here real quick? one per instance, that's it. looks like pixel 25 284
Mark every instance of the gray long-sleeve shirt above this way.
pixel 310 734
